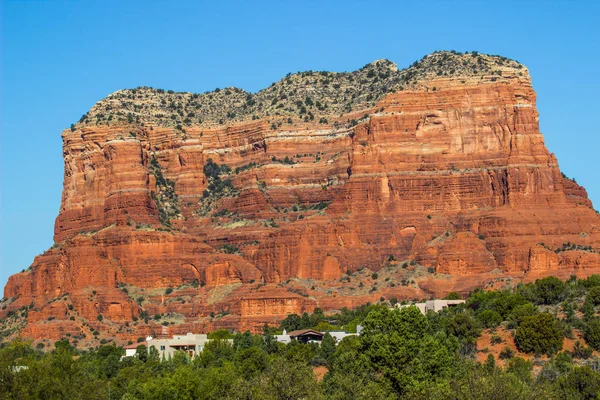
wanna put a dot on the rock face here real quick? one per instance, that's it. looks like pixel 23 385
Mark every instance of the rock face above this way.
pixel 232 209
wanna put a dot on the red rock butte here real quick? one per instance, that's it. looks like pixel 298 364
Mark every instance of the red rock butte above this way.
pixel 230 209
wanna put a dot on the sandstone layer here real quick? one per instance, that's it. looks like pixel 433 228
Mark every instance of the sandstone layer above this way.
pixel 326 190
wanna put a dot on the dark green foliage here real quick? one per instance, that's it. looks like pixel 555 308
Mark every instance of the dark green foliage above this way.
pixel 588 310
pixel 464 327
pixel 217 187
pixel 269 343
pixel 453 296
pixel 229 249
pixel 220 334
pixel 490 364
pixel 292 322
pixel 398 344
pixel 581 351
pixel 502 302
pixel 242 341
pixel 539 334
pixel 496 339
pixel 489 318
pixel 251 361
pixel 214 170
pixel 591 281
pixel 593 295
pixel 327 348
pixel 592 333
pixel 521 368
pixel 245 167
pixel 165 198
pixel 400 354
pixel 506 353
pixel 521 312
pixel 549 290
pixel 580 383
pixel 286 160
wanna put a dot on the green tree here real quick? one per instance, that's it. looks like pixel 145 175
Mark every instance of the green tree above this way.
pixel 453 296
pixel 581 351
pixel 593 295
pixel 539 334
pixel 215 354
pixel 398 344
pixel 580 383
pixel 490 364
pixel 464 327
pixel 269 342
pixel 327 348
pixel 519 313
pixel 479 385
pixel 549 290
pixel 220 334
pixel 286 380
pixel 489 318
pixel 108 359
pixel 352 376
pixel 251 362
pixel 291 323
pixel 141 352
pixel 521 368
pixel 591 333
pixel 242 341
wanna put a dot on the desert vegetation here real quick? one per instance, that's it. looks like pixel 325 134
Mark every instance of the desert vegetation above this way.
pixel 400 353
pixel 308 96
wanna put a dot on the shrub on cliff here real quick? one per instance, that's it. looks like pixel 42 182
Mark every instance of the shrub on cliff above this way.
pixel 216 186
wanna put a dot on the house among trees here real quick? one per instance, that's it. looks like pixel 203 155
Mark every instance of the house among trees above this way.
pixel 306 336
pixel 432 305
pixel 130 350
pixel 192 344
pixel 310 336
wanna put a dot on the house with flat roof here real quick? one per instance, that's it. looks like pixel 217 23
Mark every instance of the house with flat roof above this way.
pixel 190 343
pixel 432 305
pixel 339 335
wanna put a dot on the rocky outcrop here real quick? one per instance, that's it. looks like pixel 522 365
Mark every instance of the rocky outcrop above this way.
pixel 233 210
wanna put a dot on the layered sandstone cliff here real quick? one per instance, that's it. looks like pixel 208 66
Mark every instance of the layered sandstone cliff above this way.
pixel 231 209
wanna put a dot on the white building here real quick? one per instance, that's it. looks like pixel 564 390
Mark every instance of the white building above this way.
pixel 131 349
pixel 284 338
pixel 433 305
pixel 315 336
pixel 190 343
pixel 339 335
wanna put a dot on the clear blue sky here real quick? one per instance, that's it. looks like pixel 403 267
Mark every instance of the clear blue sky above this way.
pixel 59 58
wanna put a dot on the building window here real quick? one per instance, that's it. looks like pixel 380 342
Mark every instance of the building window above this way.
pixel 162 348
pixel 200 347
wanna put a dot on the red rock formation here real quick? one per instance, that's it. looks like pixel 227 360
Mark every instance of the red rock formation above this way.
pixel 446 186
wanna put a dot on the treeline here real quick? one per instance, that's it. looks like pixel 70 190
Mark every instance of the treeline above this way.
pixel 400 354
